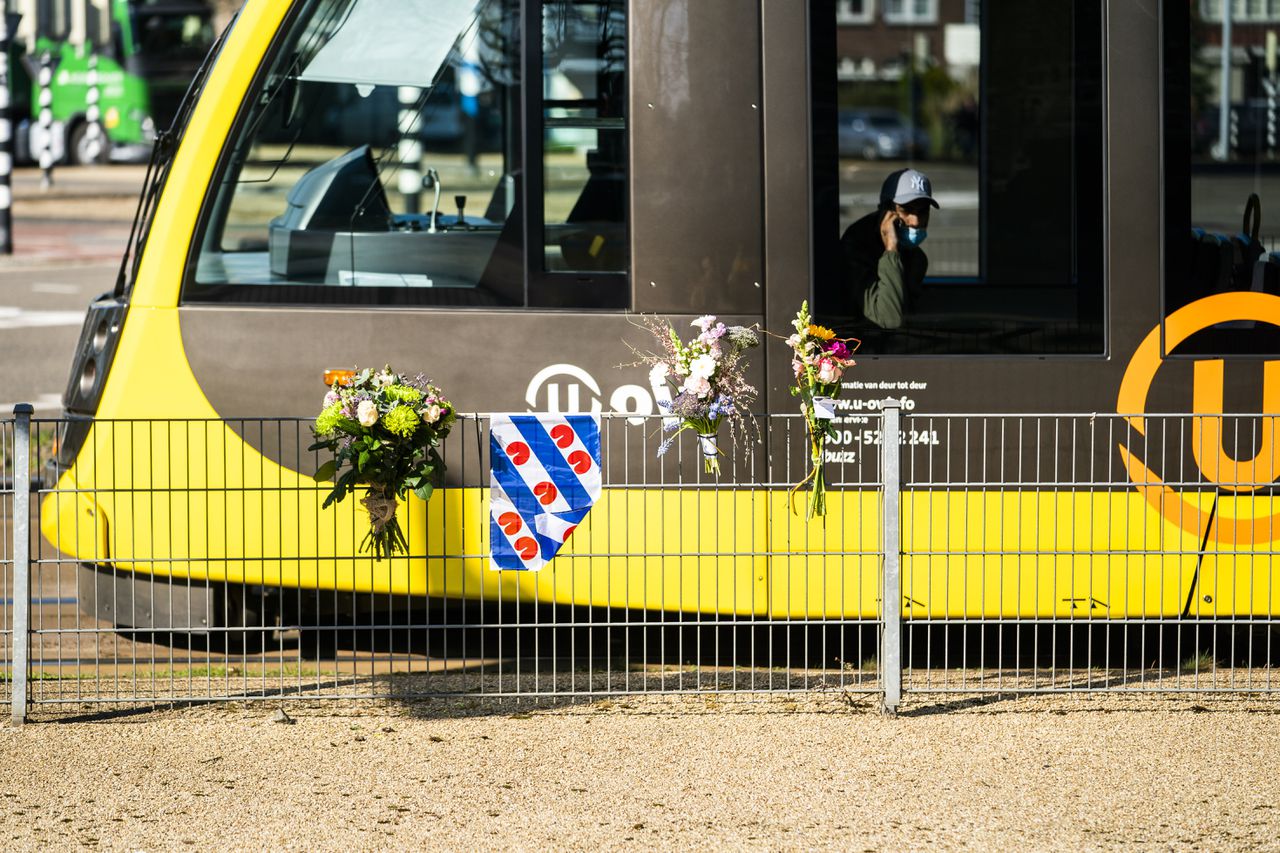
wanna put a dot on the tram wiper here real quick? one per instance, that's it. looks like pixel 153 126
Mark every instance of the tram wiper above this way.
pixel 161 150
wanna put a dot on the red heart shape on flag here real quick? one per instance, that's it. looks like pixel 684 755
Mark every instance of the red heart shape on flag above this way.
pixel 526 547
pixel 580 461
pixel 518 451
pixel 510 523
pixel 562 435
pixel 545 493
pixel 569 533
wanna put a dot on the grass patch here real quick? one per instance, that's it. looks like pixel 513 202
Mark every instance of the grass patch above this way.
pixel 1199 662
pixel 868 664
pixel 46 675
pixel 144 673
pixel 264 671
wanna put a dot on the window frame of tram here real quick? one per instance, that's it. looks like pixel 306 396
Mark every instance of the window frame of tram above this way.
pixel 544 254
pixel 1036 285
pixel 1209 249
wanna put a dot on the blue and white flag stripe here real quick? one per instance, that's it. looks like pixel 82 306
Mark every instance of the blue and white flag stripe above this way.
pixel 556 465
pixel 544 477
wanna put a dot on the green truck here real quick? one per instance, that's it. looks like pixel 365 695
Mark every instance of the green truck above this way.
pixel 144 52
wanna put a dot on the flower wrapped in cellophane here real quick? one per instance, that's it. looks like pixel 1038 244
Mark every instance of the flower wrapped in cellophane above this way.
pixel 707 382
pixel 819 359
pixel 385 431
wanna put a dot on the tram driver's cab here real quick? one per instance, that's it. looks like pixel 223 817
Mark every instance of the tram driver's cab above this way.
pixel 395 158
pixel 339 229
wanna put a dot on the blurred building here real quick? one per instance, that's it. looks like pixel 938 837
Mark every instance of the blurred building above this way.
pixel 876 39
pixel 1254 23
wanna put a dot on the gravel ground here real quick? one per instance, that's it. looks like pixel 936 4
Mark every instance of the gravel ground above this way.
pixel 1152 773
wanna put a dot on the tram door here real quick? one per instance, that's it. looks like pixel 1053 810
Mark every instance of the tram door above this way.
pixel 1221 293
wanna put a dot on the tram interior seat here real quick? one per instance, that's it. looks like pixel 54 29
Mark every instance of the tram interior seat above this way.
pixel 593 237
pixel 1222 263
pixel 1266 274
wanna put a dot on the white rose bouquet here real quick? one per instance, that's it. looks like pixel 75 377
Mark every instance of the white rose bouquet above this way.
pixel 386 430
pixel 708 381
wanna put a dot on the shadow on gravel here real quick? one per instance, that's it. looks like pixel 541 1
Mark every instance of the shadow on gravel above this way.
pixel 485 661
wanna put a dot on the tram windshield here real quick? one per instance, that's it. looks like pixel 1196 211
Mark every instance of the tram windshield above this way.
pixel 383 161
pixel 998 105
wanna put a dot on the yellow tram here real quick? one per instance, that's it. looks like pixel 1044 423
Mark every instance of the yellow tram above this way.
pixel 491 192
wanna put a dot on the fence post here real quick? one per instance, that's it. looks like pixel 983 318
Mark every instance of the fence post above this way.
pixel 891 544
pixel 21 622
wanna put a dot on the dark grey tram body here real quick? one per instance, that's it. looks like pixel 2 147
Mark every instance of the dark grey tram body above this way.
pixel 721 218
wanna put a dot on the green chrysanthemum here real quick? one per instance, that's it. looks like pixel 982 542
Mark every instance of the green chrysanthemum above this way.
pixel 403 393
pixel 401 421
pixel 327 421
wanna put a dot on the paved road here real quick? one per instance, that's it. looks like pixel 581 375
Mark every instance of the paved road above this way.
pixel 41 310
pixel 68 242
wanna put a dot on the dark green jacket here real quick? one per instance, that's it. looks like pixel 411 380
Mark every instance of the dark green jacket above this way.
pixel 882 286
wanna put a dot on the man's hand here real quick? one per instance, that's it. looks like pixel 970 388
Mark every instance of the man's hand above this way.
pixel 889 230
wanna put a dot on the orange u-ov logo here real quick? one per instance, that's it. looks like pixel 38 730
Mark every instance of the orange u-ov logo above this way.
pixel 1217 466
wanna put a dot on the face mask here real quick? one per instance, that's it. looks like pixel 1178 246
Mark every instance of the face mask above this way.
pixel 912 236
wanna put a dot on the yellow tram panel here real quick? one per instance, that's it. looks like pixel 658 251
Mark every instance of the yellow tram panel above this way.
pixel 1042 554
pixel 642 549
pixel 192 500
pixel 827 568
pixel 1240 574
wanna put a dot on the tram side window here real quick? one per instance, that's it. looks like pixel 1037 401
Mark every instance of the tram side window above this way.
pixel 579 246
pixel 999 107
pixel 1222 174
pixel 380 161
pixel 584 137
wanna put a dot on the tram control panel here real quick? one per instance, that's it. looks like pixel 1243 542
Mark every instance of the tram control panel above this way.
pixel 338 228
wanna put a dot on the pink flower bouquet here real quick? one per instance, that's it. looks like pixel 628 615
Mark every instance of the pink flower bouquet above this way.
pixel 819 360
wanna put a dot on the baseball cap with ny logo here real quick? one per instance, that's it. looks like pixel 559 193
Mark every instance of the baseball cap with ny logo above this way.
pixel 905 186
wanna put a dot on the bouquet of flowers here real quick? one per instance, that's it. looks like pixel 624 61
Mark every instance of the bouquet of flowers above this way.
pixel 819 359
pixel 385 429
pixel 708 381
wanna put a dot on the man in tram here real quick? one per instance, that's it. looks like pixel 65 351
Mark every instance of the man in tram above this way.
pixel 883 264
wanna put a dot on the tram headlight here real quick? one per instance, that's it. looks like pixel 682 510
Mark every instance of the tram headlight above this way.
pixel 94 352
pixel 101 334
pixel 88 376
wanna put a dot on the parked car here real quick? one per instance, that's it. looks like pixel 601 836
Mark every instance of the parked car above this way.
pixel 875 134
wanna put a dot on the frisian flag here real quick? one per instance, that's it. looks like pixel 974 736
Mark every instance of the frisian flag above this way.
pixel 544 478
